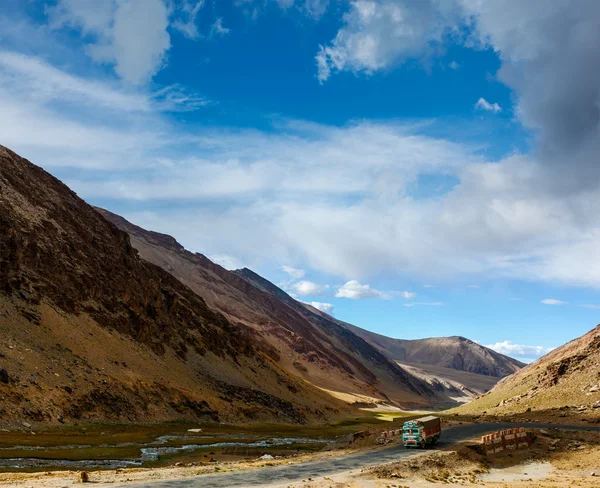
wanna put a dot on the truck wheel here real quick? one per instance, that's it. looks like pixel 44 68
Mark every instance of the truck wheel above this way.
pixel 423 444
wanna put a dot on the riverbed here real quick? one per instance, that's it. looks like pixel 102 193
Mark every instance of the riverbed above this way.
pixel 114 447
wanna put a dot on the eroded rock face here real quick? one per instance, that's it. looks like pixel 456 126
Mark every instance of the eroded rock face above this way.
pixel 54 245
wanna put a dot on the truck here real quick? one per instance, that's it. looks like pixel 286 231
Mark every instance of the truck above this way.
pixel 420 432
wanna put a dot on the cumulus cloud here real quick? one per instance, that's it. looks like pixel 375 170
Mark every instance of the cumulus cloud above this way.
pixel 483 104
pixel 550 60
pixel 519 351
pixel 293 272
pixel 355 291
pixel 308 288
pixel 323 307
pixel 379 33
pixel 552 301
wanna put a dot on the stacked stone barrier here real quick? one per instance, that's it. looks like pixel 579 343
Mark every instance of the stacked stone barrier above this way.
pixel 505 440
pixel 390 433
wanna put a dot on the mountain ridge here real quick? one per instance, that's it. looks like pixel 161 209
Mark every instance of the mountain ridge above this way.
pixel 349 337
pixel 454 352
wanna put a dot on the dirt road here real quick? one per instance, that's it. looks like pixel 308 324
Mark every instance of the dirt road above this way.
pixel 299 472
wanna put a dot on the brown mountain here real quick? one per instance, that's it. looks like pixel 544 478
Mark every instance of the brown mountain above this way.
pixel 454 352
pixel 306 343
pixel 569 376
pixel 90 331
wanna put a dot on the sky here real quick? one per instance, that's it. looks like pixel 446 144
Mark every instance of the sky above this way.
pixel 417 168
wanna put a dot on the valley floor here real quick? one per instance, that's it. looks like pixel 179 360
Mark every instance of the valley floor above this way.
pixel 557 458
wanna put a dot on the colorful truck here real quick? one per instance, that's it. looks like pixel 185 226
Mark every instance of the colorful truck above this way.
pixel 420 432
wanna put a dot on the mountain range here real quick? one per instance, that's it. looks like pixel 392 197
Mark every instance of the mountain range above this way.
pixel 101 320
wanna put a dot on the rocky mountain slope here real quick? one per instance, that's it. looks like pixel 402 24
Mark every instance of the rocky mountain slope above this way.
pixel 454 352
pixel 305 342
pixel 89 331
pixel 569 376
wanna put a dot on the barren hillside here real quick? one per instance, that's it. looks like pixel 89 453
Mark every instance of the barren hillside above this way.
pixel 90 331
pixel 569 376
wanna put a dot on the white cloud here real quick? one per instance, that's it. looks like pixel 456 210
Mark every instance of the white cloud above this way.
pixel 355 291
pixel 228 262
pixel 293 272
pixel 473 286
pixel 217 29
pixel 552 301
pixel 287 189
pixel 186 22
pixel 378 33
pixel 92 16
pixel 306 288
pixel 454 65
pixel 519 350
pixel 408 295
pixel 424 304
pixel 428 286
pixel 483 104
pixel 130 34
pixel 595 307
pixel 323 307
pixel 46 83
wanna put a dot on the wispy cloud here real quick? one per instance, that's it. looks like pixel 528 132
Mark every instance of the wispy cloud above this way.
pixel 186 16
pixel 217 29
pixel 287 189
pixel 552 301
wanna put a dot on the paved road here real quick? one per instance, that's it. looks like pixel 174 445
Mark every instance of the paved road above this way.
pixel 316 469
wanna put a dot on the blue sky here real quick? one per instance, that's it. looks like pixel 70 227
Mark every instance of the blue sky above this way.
pixel 415 168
